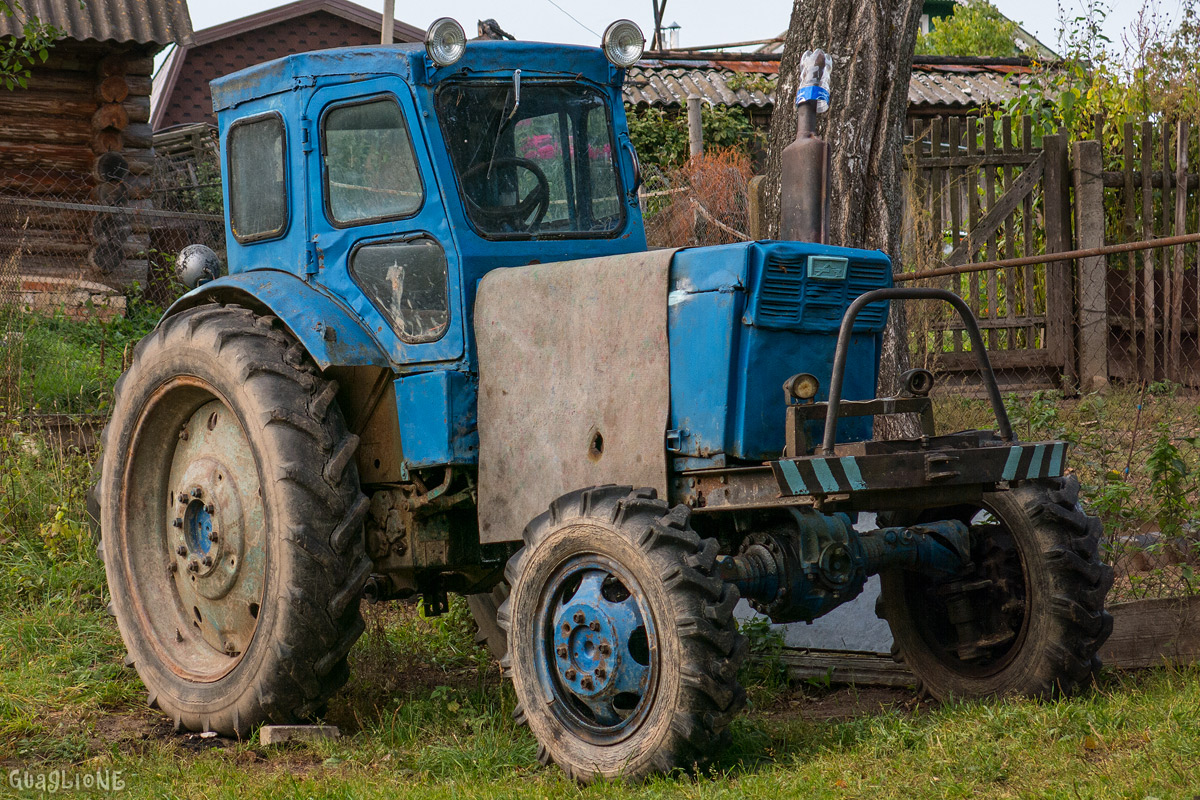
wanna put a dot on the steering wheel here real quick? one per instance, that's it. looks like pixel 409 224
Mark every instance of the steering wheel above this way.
pixel 516 215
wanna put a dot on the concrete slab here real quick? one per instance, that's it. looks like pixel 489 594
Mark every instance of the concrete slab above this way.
pixel 280 734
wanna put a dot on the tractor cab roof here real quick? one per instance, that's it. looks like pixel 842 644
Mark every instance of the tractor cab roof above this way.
pixel 483 59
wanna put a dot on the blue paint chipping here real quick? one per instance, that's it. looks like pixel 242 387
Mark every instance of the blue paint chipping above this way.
pixel 1056 460
pixel 1014 461
pixel 1035 462
pixel 792 475
pixel 853 475
pixel 824 475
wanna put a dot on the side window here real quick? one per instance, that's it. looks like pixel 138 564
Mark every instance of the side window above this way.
pixel 257 179
pixel 370 170
pixel 407 282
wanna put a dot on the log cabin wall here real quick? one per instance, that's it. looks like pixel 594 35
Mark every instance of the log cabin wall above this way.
pixel 76 163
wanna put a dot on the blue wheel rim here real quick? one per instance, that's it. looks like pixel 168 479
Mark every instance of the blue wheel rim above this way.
pixel 598 662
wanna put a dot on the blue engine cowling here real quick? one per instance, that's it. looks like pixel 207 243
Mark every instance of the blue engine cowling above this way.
pixel 742 319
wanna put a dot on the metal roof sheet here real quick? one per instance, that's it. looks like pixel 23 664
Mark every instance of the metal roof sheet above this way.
pixel 141 21
pixel 751 84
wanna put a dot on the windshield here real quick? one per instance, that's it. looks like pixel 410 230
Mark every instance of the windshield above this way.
pixel 545 171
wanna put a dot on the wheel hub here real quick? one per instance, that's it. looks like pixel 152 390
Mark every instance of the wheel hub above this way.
pixel 600 648
pixel 215 531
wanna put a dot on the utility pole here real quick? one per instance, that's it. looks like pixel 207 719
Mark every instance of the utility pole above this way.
pixel 389 22
pixel 656 41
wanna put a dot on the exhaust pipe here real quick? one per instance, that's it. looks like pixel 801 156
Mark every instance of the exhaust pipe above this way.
pixel 804 213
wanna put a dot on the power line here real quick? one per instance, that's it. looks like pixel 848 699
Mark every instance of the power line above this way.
pixel 569 14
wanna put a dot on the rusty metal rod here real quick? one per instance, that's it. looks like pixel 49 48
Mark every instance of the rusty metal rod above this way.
pixel 1046 258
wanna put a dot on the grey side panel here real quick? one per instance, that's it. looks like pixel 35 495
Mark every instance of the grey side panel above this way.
pixel 568 351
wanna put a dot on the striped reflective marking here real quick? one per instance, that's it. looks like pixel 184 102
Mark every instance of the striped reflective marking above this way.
pixel 1035 464
pixel 824 474
pixel 853 475
pixel 1010 466
pixel 792 475
pixel 1056 459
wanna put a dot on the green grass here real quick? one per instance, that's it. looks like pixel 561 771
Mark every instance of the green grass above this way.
pixel 426 715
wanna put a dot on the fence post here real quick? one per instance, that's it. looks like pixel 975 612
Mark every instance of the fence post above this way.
pixel 756 225
pixel 1093 272
pixel 1059 292
pixel 695 132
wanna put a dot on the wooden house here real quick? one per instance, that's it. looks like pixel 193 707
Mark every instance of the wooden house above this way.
pixel 75 143
pixel 181 93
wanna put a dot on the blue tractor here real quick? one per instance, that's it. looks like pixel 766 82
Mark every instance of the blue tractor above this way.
pixel 443 360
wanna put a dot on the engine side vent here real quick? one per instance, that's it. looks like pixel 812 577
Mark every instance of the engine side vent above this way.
pixel 779 302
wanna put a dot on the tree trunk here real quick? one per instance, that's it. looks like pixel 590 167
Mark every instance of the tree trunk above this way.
pixel 872 47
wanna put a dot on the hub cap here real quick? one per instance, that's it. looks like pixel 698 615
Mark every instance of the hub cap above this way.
pixel 600 655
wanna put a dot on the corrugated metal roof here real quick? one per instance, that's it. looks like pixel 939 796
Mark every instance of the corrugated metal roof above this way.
pixel 751 84
pixel 141 21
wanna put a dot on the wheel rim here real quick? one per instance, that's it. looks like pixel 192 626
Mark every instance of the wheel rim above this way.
pixel 192 503
pixel 599 654
pixel 996 591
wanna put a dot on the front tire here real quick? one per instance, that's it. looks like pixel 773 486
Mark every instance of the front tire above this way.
pixel 622 646
pixel 232 523
pixel 1035 598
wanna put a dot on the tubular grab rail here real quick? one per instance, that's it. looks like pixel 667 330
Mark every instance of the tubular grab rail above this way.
pixel 895 293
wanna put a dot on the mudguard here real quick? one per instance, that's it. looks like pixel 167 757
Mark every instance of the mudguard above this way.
pixel 333 335
pixel 574 383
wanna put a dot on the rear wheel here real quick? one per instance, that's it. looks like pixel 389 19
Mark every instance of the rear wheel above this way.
pixel 1029 617
pixel 232 523
pixel 623 649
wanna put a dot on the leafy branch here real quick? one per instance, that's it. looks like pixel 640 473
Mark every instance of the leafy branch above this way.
pixel 18 54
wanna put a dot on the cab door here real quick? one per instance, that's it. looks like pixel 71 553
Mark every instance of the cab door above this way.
pixel 378 236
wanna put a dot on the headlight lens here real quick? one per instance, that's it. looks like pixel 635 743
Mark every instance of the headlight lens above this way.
pixel 445 41
pixel 623 43
pixel 802 386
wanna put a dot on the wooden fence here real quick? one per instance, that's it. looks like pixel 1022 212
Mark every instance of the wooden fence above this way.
pixel 980 189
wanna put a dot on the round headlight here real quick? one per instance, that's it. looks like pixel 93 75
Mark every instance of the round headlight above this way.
pixel 802 386
pixel 623 43
pixel 445 41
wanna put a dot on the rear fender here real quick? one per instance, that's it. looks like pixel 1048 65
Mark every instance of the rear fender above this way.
pixel 331 334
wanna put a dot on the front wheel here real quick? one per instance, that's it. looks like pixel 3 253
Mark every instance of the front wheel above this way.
pixel 622 646
pixel 1029 616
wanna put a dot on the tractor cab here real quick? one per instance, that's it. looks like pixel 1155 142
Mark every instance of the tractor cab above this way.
pixel 391 183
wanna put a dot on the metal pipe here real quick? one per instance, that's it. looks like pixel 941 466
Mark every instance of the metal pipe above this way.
pixel 1047 258
pixel 695 126
pixel 899 293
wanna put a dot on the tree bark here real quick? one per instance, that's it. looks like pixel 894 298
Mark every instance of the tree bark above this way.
pixel 872 46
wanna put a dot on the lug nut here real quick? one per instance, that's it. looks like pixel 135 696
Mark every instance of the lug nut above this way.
pixel 579 617
pixel 208 509
pixel 601 672
pixel 196 491
pixel 566 627
pixel 177 522
pixel 172 568
pixel 213 536
pixel 605 649
pixel 595 625
pixel 586 683
pixel 208 561
pixel 181 550
pixel 183 498
pixel 562 651
pixel 193 566
pixel 570 673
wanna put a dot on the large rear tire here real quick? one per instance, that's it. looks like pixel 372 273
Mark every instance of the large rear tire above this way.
pixel 232 523
pixel 1035 598
pixel 622 646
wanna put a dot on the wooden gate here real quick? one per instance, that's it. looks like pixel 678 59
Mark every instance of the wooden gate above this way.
pixel 976 194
